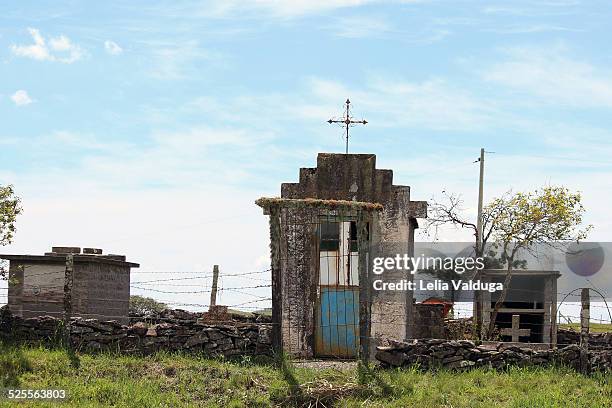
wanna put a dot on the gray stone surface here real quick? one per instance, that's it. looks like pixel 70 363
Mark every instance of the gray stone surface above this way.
pixel 350 177
pixel 142 337
pixel 450 354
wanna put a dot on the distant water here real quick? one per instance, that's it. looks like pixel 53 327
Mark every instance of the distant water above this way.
pixel 569 312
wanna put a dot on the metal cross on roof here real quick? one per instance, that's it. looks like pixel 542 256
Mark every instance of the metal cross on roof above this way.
pixel 347 121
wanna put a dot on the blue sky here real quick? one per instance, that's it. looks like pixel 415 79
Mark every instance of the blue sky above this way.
pixel 148 128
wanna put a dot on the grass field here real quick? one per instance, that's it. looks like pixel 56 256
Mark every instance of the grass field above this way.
pixel 593 327
pixel 167 380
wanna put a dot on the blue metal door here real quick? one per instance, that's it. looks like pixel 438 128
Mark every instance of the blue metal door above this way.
pixel 337 331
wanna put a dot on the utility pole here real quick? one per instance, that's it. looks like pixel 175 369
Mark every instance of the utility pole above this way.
pixel 478 298
pixel 213 292
pixel 479 231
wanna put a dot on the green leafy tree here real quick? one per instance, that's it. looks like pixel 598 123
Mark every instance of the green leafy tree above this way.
pixel 513 223
pixel 549 216
pixel 145 305
pixel 10 208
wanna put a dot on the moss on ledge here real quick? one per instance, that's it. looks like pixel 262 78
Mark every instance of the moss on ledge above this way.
pixel 267 202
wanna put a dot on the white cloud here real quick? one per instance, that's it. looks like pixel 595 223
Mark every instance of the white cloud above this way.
pixel 360 27
pixel 38 50
pixel 300 7
pixel 554 76
pixel 192 231
pixel 59 49
pixel 286 8
pixel 21 98
pixel 61 43
pixel 529 29
pixel 386 102
pixel 191 178
pixel 175 60
pixel 112 47
pixel 393 102
pixel 193 156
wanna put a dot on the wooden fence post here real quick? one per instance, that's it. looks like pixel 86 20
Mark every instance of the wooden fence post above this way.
pixel 585 315
pixel 213 291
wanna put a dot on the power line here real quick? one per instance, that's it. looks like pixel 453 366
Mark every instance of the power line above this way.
pixel 565 158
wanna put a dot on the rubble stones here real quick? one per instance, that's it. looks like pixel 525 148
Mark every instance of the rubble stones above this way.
pixel 138 329
pixel 596 340
pixel 463 329
pixel 180 333
pixel 463 354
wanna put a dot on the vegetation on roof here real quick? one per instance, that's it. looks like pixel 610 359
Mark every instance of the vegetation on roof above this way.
pixel 266 202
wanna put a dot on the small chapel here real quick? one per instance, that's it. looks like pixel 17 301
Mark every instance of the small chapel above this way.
pixel 323 230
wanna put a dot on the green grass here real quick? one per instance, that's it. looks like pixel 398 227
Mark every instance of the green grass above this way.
pixel 593 327
pixel 175 380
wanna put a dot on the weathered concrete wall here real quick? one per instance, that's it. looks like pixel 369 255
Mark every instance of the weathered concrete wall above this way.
pixel 186 333
pixel 299 257
pixel 354 177
pixel 101 284
pixel 36 289
pixel 527 289
pixel 464 354
pixel 101 291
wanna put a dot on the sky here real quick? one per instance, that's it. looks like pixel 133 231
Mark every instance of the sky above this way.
pixel 148 128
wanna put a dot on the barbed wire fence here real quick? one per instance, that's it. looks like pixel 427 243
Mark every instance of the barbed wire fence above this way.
pixel 255 296
pixel 153 287
pixel 251 297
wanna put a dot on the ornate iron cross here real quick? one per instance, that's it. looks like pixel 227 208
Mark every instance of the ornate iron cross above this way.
pixel 347 121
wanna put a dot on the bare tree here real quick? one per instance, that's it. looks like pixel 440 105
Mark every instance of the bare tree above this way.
pixel 449 211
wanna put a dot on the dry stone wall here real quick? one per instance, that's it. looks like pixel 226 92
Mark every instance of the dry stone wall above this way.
pixel 185 332
pixel 464 354
pixel 596 340
pixel 462 329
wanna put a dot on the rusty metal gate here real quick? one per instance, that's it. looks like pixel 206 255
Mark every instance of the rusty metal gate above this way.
pixel 337 308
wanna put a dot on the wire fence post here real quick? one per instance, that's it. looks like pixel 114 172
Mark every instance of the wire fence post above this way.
pixel 553 315
pixel 585 315
pixel 68 280
pixel 213 291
